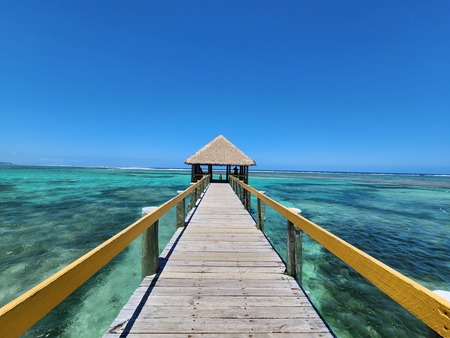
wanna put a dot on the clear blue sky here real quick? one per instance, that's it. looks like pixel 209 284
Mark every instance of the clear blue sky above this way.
pixel 303 85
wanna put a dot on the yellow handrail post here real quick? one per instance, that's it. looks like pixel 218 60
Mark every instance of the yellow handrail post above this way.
pixel 181 211
pixel 150 249
pixel 294 249
pixel 260 213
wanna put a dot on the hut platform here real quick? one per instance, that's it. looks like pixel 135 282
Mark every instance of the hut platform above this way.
pixel 219 277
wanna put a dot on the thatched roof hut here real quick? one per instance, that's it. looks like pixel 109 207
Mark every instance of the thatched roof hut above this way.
pixel 220 152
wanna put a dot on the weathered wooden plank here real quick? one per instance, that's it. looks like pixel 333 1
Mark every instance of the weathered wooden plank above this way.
pixel 205 228
pixel 223 291
pixel 211 301
pixel 226 335
pixel 222 276
pixel 215 246
pixel 229 284
pixel 219 301
pixel 223 238
pixel 216 210
pixel 232 255
pixel 267 294
pixel 226 248
pixel 212 325
pixel 259 312
pixel 224 269
pixel 191 239
pixel 225 263
pixel 226 245
pixel 221 256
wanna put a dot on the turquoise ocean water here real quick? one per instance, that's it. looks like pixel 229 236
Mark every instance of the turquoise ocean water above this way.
pixel 51 216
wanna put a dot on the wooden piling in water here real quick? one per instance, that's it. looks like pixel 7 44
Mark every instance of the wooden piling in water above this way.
pixel 150 249
pixel 260 213
pixel 181 211
pixel 294 249
pixel 192 199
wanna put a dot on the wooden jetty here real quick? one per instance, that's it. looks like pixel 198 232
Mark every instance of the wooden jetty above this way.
pixel 220 278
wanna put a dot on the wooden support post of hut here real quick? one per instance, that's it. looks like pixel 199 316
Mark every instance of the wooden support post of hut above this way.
pixel 220 153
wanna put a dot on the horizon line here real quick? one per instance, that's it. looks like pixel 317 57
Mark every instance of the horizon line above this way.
pixel 9 164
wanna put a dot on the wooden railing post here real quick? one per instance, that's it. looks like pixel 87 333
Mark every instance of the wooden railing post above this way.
pixel 260 213
pixel 150 247
pixel 197 193
pixel 294 249
pixel 202 187
pixel 248 200
pixel 243 194
pixel 194 197
pixel 181 211
pixel 191 199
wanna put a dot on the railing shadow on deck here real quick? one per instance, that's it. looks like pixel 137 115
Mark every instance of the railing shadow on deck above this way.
pixel 20 314
pixel 432 309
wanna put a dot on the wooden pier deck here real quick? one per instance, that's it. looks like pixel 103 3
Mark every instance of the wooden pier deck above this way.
pixel 220 277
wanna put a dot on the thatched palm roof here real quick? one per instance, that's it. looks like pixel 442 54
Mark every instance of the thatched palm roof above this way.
pixel 220 151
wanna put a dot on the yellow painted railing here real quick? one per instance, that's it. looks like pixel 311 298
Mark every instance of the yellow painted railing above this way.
pixel 20 314
pixel 427 306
